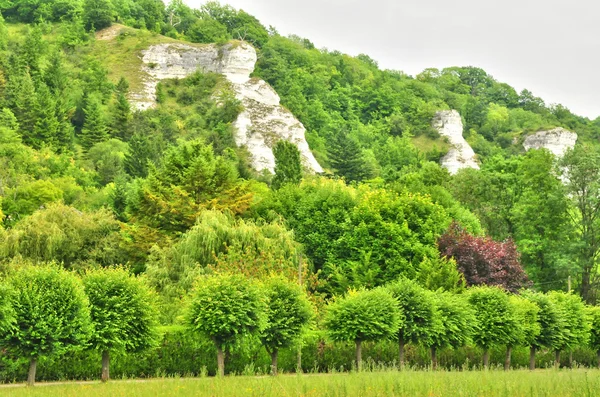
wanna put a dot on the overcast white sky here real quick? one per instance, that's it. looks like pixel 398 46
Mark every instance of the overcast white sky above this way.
pixel 551 47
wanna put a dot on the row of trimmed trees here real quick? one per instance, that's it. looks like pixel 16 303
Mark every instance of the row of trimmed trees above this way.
pixel 47 311
pixel 484 316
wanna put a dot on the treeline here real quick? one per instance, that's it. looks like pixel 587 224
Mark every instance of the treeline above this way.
pixel 48 312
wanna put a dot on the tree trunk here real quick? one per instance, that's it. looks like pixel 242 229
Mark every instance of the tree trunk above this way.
pixel 274 354
pixel 220 362
pixel 571 359
pixel 105 366
pixel 507 359
pixel 557 359
pixel 486 358
pixel 299 362
pixel 585 285
pixel 359 355
pixel 532 358
pixel 32 369
pixel 401 352
pixel 598 354
pixel 434 362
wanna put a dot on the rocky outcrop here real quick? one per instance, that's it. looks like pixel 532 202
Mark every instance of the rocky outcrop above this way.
pixel 461 155
pixel 262 122
pixel 557 141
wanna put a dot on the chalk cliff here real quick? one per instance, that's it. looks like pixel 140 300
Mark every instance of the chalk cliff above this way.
pixel 262 122
pixel 461 155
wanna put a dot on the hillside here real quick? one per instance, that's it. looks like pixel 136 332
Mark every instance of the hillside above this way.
pixel 176 142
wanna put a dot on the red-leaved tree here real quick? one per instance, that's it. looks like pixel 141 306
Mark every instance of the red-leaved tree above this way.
pixel 483 260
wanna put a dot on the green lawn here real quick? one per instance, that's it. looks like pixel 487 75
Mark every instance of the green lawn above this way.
pixel 408 383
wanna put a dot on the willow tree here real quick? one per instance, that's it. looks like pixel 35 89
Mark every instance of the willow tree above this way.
pixel 363 316
pixel 417 306
pixel 52 315
pixel 550 322
pixel 220 241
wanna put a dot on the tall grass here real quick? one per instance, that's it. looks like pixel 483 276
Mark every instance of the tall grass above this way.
pixel 578 382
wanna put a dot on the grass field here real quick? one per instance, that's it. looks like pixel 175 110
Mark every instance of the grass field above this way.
pixel 368 384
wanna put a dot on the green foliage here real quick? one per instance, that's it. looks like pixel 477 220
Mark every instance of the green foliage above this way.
pixel 346 158
pixel 288 166
pixel 454 321
pixel 51 310
pixel 7 313
pixel 418 309
pixel 440 273
pixel 66 235
pixel 288 312
pixel 364 315
pixel 550 321
pixel 527 325
pixel 593 314
pixel 122 309
pixel 94 126
pixel 225 308
pixel 495 317
pixel 107 158
pixel 97 14
pixel 575 327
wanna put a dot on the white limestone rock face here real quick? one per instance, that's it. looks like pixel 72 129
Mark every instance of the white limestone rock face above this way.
pixel 263 121
pixel 557 141
pixel 461 155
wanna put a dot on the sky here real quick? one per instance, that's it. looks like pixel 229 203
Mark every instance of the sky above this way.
pixel 550 47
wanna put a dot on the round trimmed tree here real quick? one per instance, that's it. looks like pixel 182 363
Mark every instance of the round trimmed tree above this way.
pixel 495 319
pixel 52 315
pixel 453 325
pixel 418 310
pixel 575 328
pixel 123 314
pixel 550 322
pixel 224 308
pixel 527 326
pixel 363 316
pixel 287 312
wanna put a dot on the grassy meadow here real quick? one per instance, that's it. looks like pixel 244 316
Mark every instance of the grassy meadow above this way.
pixel 491 383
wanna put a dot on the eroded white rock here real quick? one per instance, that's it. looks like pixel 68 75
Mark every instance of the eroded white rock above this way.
pixel 263 121
pixel 461 155
pixel 557 141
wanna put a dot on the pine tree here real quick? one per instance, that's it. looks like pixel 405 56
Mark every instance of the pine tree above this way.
pixel 121 118
pixel 54 75
pixel 23 104
pixel 136 161
pixel 94 127
pixel 65 132
pixel 3 34
pixel 122 86
pixel 346 158
pixel 46 124
pixel 288 166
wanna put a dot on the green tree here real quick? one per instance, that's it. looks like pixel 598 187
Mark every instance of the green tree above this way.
pixel 288 311
pixel 225 308
pixel 550 323
pixel 121 118
pixel 362 316
pixel 138 156
pixel 288 166
pixel 593 313
pixel 495 319
pixel 527 326
pixel 52 315
pixel 46 127
pixel 575 327
pixel 582 172
pixel 107 159
pixel 123 314
pixel 97 14
pixel 346 158
pixel 454 323
pixel 7 313
pixel 417 306
pixel 94 126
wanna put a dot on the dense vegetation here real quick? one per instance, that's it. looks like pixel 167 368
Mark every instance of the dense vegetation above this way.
pixel 87 183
